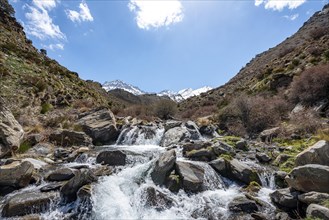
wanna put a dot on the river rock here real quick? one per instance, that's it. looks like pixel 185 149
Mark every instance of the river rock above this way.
pixel 316 154
pixel 67 138
pixel 279 179
pixel 11 132
pixel 169 124
pixel 27 203
pixel 269 134
pixel 313 197
pixel 192 176
pixel 37 164
pixel 16 174
pixel 82 177
pixel 204 154
pixel 193 130
pixel 242 204
pixel 163 167
pixel 174 136
pixel 100 125
pixel 315 211
pixel 52 186
pixel 61 174
pixel 40 149
pixel 311 177
pixel 285 198
pixel 263 158
pixel 241 145
pixel 157 199
pixel 208 131
pixel 112 158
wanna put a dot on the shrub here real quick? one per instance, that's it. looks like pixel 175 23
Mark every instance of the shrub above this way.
pixel 46 107
pixel 165 109
pixel 317 33
pixel 306 122
pixel 311 86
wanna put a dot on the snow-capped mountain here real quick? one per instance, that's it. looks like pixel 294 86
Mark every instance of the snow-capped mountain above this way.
pixel 118 84
pixel 176 96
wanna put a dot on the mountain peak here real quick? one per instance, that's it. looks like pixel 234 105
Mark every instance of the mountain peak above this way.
pixel 118 84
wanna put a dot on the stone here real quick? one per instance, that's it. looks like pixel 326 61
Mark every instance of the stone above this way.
pixel 61 153
pixel 317 212
pixel 52 186
pixel 34 139
pixel 316 154
pixel 82 177
pixel 169 124
pixel 28 203
pixel 173 183
pixel 285 199
pixel 193 130
pixel 208 131
pixel 163 167
pixel 192 176
pixel 269 134
pixel 42 149
pixel 279 179
pixel 282 216
pixel 205 154
pixel 100 125
pixel 112 158
pixel 281 159
pixel 11 133
pixel 157 199
pixel 37 164
pixel 241 145
pixel 263 158
pixel 16 174
pixel 242 204
pixel 310 177
pixel 61 174
pixel 68 138
pixel 175 135
pixel 313 197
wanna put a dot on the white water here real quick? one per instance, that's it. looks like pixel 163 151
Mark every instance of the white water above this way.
pixel 145 135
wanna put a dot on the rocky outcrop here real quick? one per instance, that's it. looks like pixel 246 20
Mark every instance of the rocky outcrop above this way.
pixel 242 204
pixel 60 174
pixel 313 197
pixel 112 158
pixel 27 203
pixel 11 133
pixel 192 176
pixel 315 211
pixel 285 198
pixel 163 166
pixel 236 170
pixel 311 177
pixel 67 138
pixel 269 134
pixel 316 154
pixel 100 125
pixel 16 174
pixel 82 177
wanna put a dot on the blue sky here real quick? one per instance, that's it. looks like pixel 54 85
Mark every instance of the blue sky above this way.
pixel 159 45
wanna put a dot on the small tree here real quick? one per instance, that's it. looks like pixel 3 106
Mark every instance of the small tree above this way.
pixel 43 52
pixel 165 109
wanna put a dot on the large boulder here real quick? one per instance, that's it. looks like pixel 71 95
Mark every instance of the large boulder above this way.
pixel 163 166
pixel 82 177
pixel 204 154
pixel 315 211
pixel 242 204
pixel 174 136
pixel 313 197
pixel 61 174
pixel 285 199
pixel 193 130
pixel 16 174
pixel 67 138
pixel 269 134
pixel 27 203
pixel 112 157
pixel 311 177
pixel 316 154
pixel 11 132
pixel 192 176
pixel 236 170
pixel 100 125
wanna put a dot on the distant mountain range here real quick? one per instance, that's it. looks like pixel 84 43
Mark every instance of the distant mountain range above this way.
pixel 176 96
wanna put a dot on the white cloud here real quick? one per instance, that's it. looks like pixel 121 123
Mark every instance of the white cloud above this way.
pixel 291 17
pixel 45 4
pixel 279 5
pixel 53 47
pixel 83 15
pixel 156 13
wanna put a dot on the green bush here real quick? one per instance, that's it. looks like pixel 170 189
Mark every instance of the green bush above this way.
pixel 46 107
pixel 25 146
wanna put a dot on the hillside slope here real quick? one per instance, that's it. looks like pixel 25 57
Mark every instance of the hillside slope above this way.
pixel 272 70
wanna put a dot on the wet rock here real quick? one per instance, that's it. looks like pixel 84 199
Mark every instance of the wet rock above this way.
pixel 40 149
pixel 37 164
pixel 16 174
pixel 192 176
pixel 313 197
pixel 67 138
pixel 52 187
pixel 163 167
pixel 205 154
pixel 28 203
pixel 208 131
pixel 311 177
pixel 242 204
pixel 84 193
pixel 193 130
pixel 61 153
pixel 112 158
pixel 269 134
pixel 100 125
pixel 317 212
pixel 158 200
pixel 174 136
pixel 61 174
pixel 279 179
pixel 241 145
pixel 82 177
pixel 316 154
pixel 285 199
pixel 169 124
pixel 11 133
pixel 173 183
pixel 222 148
pixel 263 158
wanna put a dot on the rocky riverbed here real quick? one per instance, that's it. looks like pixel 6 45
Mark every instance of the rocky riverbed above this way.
pixel 127 169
